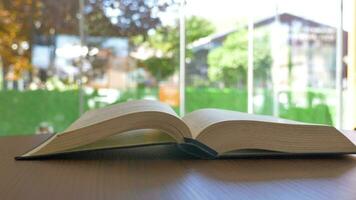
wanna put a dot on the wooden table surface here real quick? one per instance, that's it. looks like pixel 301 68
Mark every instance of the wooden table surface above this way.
pixel 163 172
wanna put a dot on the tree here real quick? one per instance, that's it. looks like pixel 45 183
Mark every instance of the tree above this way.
pixel 165 45
pixel 102 17
pixel 21 20
pixel 228 63
pixel 14 43
pixel 197 27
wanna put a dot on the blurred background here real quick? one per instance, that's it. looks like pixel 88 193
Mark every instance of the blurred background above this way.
pixel 291 59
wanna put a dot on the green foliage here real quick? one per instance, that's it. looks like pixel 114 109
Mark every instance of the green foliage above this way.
pixel 262 59
pixel 165 42
pixel 229 60
pixel 161 68
pixel 197 27
pixel 228 63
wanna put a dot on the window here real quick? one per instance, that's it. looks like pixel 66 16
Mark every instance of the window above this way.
pixel 61 58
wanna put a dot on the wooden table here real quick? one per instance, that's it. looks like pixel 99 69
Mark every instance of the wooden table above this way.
pixel 163 172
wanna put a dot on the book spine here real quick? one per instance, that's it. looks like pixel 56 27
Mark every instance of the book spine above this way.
pixel 197 149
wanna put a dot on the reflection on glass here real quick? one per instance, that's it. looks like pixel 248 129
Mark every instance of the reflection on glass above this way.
pixel 305 61
pixel 217 56
pixel 35 95
pixel 129 51
pixel 135 54
pixel 294 59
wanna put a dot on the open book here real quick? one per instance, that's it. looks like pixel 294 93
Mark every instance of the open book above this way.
pixel 207 133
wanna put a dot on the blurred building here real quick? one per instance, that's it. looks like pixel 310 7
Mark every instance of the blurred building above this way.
pixel 111 71
pixel 106 62
pixel 307 47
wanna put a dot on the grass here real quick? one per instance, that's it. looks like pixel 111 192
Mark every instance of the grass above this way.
pixel 233 99
pixel 22 112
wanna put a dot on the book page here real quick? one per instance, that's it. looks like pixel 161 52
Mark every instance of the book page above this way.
pixel 226 131
pixel 116 119
pixel 140 137
pixel 103 114
pixel 199 120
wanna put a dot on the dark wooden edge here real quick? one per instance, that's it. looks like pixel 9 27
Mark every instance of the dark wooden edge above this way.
pixel 194 148
pixel 276 154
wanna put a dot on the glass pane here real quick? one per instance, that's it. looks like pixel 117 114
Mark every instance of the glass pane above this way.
pixel 216 61
pixel 263 32
pixel 304 60
pixel 122 50
pixel 37 94
pixel 294 56
pixel 118 49
pixel 132 51
pixel 349 97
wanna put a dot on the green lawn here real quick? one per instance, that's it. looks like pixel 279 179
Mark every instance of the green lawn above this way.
pixel 237 100
pixel 22 112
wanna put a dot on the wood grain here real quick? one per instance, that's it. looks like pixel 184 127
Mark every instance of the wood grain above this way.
pixel 163 172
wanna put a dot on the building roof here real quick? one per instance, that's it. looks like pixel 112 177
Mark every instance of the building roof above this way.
pixel 288 18
pixel 284 18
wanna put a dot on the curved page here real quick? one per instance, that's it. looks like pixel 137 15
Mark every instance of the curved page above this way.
pixel 98 124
